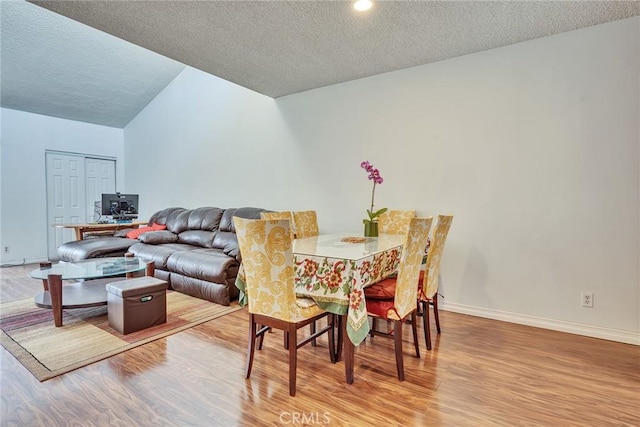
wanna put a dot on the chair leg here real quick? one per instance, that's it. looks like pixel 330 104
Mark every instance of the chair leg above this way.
pixel 435 311
pixel 339 321
pixel 293 357
pixel 286 340
pixel 414 328
pixel 331 319
pixel 398 347
pixel 252 345
pixel 260 338
pixel 374 326
pixel 426 323
pixel 312 327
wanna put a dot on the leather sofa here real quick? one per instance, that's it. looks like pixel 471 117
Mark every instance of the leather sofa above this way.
pixel 197 254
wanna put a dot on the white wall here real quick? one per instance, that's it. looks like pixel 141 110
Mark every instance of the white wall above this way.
pixel 533 147
pixel 24 139
pixel 196 144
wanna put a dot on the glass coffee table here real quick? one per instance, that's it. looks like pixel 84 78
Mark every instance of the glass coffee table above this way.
pixel 90 290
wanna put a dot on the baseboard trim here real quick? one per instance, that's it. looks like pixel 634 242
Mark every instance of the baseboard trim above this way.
pixel 540 322
pixel 23 261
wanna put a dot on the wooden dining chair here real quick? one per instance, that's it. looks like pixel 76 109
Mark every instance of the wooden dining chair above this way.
pixel 430 277
pixel 265 246
pixel 395 221
pixel 395 298
pixel 305 224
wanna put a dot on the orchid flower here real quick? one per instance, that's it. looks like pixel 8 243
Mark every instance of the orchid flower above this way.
pixel 373 175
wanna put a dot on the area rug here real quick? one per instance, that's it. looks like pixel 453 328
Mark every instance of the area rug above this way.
pixel 28 332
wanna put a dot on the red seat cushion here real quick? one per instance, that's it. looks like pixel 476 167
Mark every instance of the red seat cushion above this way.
pixel 385 289
pixel 380 297
pixel 379 307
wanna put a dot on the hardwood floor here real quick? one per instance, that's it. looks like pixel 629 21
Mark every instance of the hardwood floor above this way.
pixel 481 372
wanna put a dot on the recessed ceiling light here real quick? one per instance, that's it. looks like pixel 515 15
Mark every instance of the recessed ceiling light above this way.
pixel 362 5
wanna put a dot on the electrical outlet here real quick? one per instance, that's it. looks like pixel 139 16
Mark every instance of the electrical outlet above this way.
pixel 587 299
pixel 6 249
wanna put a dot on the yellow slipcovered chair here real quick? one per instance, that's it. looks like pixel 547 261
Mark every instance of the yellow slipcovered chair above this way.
pixel 395 298
pixel 280 215
pixel 305 224
pixel 265 246
pixel 395 221
pixel 275 216
pixel 428 288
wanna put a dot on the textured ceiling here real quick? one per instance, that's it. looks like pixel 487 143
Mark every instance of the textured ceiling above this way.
pixel 54 66
pixel 282 47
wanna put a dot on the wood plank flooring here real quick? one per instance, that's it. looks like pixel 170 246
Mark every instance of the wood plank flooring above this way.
pixel 481 373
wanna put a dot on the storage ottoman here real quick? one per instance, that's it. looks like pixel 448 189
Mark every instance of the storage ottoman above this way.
pixel 136 304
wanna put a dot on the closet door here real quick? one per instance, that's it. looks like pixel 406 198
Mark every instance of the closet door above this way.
pixel 74 184
pixel 65 197
pixel 100 178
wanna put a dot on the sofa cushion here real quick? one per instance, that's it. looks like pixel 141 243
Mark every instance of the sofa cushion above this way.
pixel 201 238
pixel 207 219
pixel 211 265
pixel 226 222
pixel 159 254
pixel 226 239
pixel 227 242
pixel 167 217
pixel 158 237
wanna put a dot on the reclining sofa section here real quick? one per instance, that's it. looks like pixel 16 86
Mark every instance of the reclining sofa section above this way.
pixel 197 254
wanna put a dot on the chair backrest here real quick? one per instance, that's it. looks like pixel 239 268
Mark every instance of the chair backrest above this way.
pixel 265 246
pixel 305 224
pixel 395 221
pixel 280 215
pixel 410 262
pixel 432 273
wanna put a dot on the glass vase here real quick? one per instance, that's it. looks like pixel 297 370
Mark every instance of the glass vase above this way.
pixel 371 229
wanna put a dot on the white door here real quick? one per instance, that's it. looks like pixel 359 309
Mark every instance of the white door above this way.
pixel 69 178
pixel 100 178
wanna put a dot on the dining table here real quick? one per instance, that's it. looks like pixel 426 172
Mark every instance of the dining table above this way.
pixel 333 269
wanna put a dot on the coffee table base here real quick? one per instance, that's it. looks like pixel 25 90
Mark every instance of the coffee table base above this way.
pixel 91 293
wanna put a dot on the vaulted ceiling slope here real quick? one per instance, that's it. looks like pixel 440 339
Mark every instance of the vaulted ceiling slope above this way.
pixel 279 48
pixel 58 67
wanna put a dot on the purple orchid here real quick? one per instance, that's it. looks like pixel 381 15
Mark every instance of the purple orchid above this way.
pixel 374 175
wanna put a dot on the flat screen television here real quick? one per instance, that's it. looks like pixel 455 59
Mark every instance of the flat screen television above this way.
pixel 120 206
